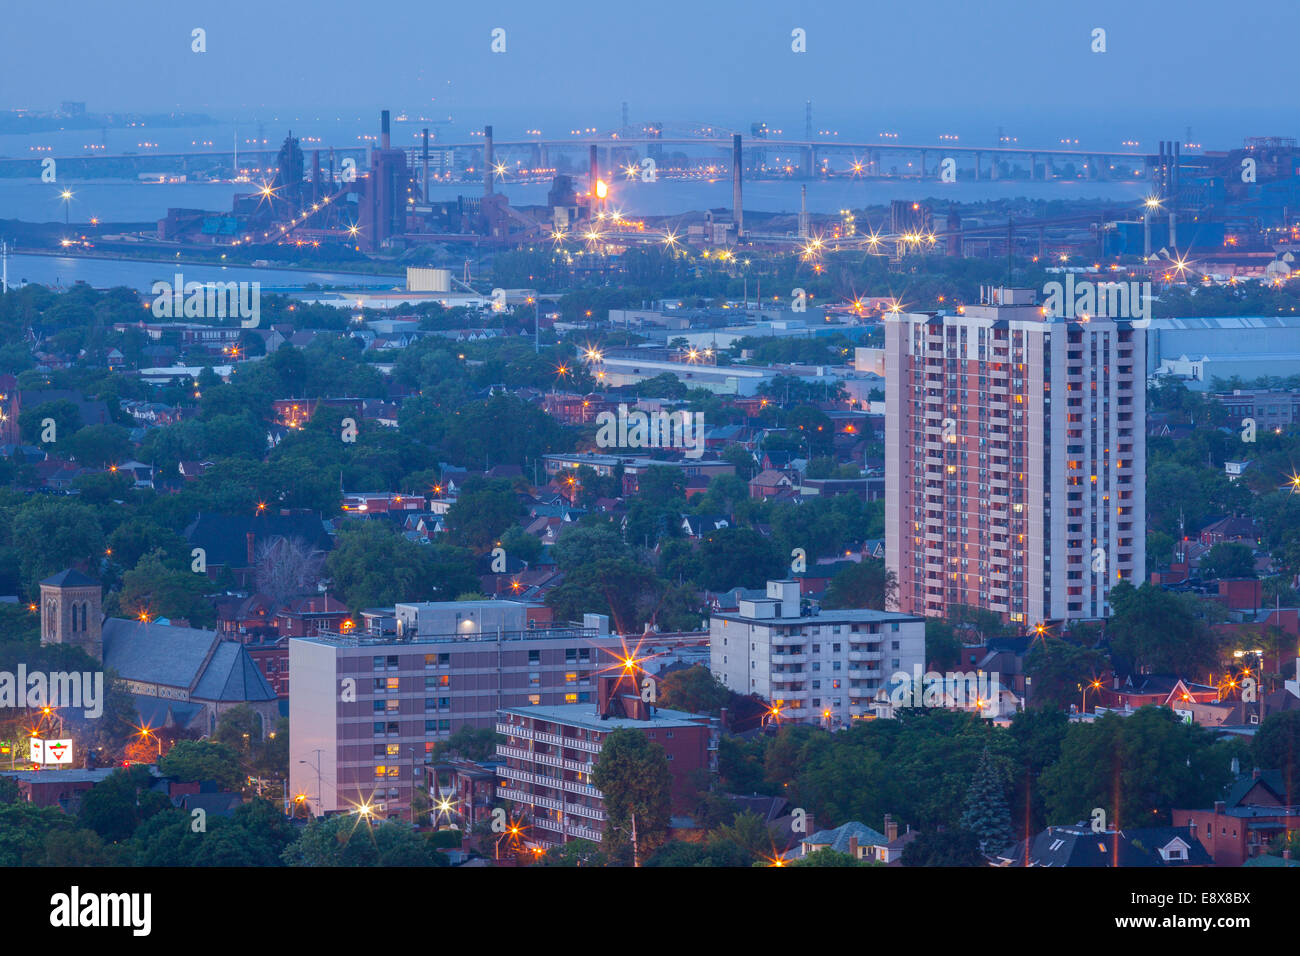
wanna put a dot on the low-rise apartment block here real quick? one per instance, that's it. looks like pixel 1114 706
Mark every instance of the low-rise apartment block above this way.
pixel 824 668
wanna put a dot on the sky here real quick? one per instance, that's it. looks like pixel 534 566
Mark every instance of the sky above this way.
pixel 965 66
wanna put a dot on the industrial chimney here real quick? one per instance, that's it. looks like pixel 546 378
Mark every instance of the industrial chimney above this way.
pixel 426 164
pixel 737 169
pixel 384 140
pixel 487 160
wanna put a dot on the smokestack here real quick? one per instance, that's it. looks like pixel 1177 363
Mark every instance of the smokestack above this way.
pixel 426 164
pixel 593 168
pixel 737 169
pixel 487 160
pixel 384 139
pixel 315 175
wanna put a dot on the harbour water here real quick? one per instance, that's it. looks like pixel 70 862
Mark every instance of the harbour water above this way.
pixel 65 271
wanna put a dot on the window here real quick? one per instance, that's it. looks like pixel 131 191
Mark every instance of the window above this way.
pixel 571 698
pixel 534 657
pixel 535 679
pixel 534 699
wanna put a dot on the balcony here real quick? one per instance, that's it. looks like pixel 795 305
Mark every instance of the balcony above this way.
pixel 859 673
pixel 573 743
pixel 531 799
pixel 866 655
pixel 549 759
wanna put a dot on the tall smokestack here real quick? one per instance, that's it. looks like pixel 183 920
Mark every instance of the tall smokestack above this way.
pixel 593 167
pixel 426 164
pixel 384 139
pixel 487 160
pixel 737 169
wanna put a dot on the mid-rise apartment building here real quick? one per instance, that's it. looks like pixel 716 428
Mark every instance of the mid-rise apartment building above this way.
pixel 366 711
pixel 1015 450
pixel 547 755
pixel 824 668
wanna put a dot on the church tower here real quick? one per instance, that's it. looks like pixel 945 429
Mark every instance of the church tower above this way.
pixel 71 612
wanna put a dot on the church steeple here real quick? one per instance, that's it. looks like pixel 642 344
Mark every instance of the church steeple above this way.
pixel 71 612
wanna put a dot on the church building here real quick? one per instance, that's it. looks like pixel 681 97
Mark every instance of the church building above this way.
pixel 179 677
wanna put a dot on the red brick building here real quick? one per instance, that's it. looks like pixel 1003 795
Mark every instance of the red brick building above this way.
pixel 549 753
pixel 1241 826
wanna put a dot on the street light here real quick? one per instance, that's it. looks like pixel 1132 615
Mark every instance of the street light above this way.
pixel 146 733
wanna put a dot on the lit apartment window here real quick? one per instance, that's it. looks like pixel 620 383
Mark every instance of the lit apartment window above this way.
pixel 392 683
pixel 394 750
pixel 571 698
pixel 535 679
pixel 571 677
pixel 534 699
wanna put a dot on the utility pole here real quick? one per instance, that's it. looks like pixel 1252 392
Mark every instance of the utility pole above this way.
pixel 636 857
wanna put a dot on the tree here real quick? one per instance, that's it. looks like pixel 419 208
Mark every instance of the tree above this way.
pixel 97 446
pixel 372 565
pixel 472 743
pixel 1159 631
pixel 1277 747
pixel 32 422
pixel 482 513
pixel 866 584
pixel 1151 760
pixel 986 813
pixel 575 853
pixel 347 841
pixel 161 591
pixel 521 546
pixel 582 544
pixel 738 557
pixel 114 807
pixel 1228 559
pixel 693 689
pixel 194 761
pixel 287 567
pixel 942 647
pixel 1057 669
pixel 944 848
pixel 55 535
pixel 828 857
pixel 632 772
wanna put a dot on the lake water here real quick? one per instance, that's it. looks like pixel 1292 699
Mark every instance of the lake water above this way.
pixel 105 273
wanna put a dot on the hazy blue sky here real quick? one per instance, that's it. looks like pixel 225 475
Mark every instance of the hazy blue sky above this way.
pixel 940 62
